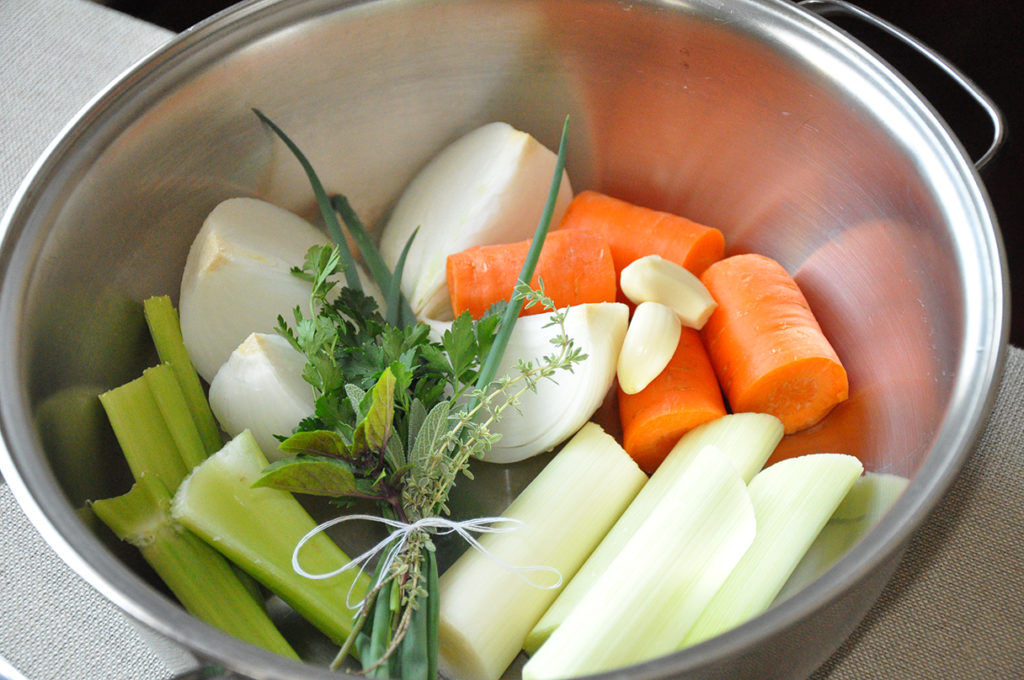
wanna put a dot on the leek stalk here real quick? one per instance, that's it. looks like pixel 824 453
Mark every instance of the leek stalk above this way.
pixel 867 502
pixel 257 528
pixel 201 579
pixel 487 608
pixel 656 587
pixel 745 439
pixel 793 500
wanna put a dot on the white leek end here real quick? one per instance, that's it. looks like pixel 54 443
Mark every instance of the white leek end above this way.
pixel 867 502
pixel 655 279
pixel 651 340
pixel 238 279
pixel 655 589
pixel 487 609
pixel 260 388
pixel 792 501
pixel 487 187
pixel 745 439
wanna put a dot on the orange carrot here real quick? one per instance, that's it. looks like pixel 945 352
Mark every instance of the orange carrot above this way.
pixel 684 395
pixel 633 232
pixel 767 348
pixel 574 271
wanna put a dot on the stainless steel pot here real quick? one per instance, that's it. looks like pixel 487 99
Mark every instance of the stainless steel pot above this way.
pixel 755 116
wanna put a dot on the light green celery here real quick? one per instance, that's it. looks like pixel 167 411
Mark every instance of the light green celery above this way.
pixel 656 587
pixel 745 439
pixel 166 391
pixel 793 500
pixel 165 330
pixel 867 502
pixel 202 580
pixel 486 608
pixel 145 439
pixel 258 528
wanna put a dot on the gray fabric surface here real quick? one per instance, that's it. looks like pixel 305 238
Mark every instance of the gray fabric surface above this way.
pixel 955 609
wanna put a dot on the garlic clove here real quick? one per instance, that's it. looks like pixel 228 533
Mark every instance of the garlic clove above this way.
pixel 651 340
pixel 655 279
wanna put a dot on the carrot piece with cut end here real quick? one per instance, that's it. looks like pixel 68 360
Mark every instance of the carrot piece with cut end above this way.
pixel 767 348
pixel 684 395
pixel 574 271
pixel 633 231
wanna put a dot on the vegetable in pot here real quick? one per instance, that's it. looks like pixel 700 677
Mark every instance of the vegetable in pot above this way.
pixel 571 271
pixel 493 182
pixel 767 348
pixel 489 602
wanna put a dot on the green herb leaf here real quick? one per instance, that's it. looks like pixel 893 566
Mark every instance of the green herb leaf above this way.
pixel 326 443
pixel 315 475
pixel 375 428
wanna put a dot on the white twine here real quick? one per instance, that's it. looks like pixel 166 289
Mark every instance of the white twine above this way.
pixel 396 541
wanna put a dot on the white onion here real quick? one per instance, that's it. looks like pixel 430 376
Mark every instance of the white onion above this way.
pixel 260 388
pixel 238 279
pixel 545 418
pixel 487 187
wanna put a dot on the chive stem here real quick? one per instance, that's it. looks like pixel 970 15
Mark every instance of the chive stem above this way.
pixel 329 216
pixel 508 319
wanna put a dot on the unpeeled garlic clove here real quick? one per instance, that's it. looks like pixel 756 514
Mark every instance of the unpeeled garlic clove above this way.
pixel 655 279
pixel 651 340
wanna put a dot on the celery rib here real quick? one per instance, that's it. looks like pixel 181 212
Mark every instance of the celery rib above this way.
pixel 165 329
pixel 142 432
pixel 257 528
pixel 173 406
pixel 198 575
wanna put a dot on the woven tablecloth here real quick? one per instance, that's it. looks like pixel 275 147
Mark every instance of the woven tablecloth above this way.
pixel 953 611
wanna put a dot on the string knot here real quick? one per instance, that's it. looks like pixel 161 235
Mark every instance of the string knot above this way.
pixel 396 541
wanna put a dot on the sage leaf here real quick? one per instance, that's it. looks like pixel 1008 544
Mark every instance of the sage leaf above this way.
pixel 315 475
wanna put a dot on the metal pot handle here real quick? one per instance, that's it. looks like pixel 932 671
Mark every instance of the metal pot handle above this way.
pixel 826 7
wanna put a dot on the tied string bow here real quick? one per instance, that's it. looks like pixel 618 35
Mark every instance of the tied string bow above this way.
pixel 395 543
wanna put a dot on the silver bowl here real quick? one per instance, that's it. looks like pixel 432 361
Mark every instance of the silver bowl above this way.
pixel 754 116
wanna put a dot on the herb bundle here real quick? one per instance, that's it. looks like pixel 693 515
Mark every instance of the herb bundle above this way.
pixel 399 416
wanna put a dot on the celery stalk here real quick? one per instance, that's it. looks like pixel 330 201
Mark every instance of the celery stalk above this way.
pixel 147 443
pixel 793 500
pixel 258 528
pixel 745 439
pixel 170 400
pixel 656 587
pixel 867 502
pixel 486 608
pixel 165 329
pixel 142 518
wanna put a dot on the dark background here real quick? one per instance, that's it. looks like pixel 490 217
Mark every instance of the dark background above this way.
pixel 981 39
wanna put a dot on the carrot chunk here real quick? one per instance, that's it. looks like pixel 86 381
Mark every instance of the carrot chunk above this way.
pixel 574 271
pixel 633 231
pixel 684 395
pixel 767 348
